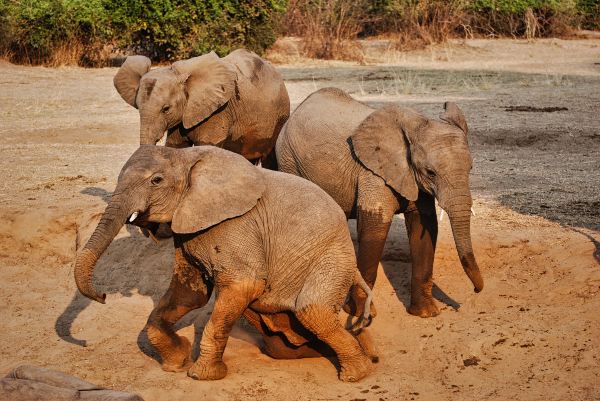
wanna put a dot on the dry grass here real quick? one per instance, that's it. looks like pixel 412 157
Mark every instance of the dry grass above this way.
pixel 328 27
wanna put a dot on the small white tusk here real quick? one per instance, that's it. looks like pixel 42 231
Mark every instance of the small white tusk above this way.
pixel 133 217
pixel 442 215
pixel 473 211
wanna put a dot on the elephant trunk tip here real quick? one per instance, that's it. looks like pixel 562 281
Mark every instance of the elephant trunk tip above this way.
pixel 472 271
pixel 83 276
pixel 92 294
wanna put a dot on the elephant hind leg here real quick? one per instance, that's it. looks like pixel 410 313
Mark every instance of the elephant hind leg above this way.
pixel 277 345
pixel 323 321
pixel 187 292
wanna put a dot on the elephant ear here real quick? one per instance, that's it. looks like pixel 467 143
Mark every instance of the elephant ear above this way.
pixel 382 144
pixel 221 185
pixel 454 115
pixel 209 84
pixel 127 80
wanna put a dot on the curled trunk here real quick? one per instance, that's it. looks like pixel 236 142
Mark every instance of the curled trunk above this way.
pixel 111 222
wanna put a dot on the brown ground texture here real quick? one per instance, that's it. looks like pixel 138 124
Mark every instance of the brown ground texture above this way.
pixel 533 333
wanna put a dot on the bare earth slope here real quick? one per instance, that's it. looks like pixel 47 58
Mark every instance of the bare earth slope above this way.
pixel 532 334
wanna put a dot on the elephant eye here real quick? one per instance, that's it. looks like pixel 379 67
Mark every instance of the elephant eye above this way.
pixel 166 108
pixel 156 180
pixel 430 173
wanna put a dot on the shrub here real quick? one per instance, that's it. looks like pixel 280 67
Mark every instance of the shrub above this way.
pixel 51 31
pixel 80 31
pixel 589 12
pixel 519 18
pixel 328 26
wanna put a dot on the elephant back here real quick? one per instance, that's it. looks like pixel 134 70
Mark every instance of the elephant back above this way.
pixel 314 143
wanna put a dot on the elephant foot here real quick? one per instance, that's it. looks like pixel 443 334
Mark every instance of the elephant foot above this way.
pixel 178 359
pixel 214 370
pixel 368 346
pixel 356 369
pixel 425 307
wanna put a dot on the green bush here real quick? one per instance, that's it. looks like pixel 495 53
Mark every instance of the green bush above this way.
pixel 87 32
pixel 57 31
pixel 34 30
pixel 589 11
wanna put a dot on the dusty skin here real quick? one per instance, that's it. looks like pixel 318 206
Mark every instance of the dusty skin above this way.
pixel 532 334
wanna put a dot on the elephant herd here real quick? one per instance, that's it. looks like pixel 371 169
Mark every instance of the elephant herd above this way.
pixel 275 245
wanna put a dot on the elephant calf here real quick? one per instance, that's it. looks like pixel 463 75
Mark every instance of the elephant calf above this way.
pixel 238 102
pixel 376 163
pixel 276 247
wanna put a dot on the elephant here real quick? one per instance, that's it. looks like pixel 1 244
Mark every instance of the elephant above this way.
pixel 379 162
pixel 33 383
pixel 275 246
pixel 238 102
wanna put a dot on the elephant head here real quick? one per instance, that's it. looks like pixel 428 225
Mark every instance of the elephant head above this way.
pixel 193 188
pixel 411 152
pixel 187 92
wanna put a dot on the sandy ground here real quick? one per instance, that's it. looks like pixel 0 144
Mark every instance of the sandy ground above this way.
pixel 531 334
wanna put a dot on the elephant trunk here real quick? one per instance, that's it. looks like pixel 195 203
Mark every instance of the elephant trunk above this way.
pixel 459 213
pixel 152 130
pixel 110 223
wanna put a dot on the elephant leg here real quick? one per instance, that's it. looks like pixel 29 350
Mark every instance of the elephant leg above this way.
pixel 230 304
pixel 366 343
pixel 422 227
pixel 376 207
pixel 278 347
pixel 188 291
pixel 323 321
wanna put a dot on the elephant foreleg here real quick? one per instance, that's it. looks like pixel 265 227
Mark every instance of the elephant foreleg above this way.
pixel 230 304
pixel 188 291
pixel 376 207
pixel 422 228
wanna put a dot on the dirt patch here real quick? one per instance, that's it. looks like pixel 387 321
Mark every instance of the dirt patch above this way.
pixel 531 334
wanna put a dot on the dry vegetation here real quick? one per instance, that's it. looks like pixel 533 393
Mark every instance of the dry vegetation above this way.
pixel 329 28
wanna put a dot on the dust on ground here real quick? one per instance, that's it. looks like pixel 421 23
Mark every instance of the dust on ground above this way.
pixel 531 334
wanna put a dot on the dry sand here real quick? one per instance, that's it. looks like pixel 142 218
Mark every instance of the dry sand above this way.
pixel 531 334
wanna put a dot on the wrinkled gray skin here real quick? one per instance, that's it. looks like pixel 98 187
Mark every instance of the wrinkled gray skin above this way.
pixel 376 163
pixel 238 102
pixel 271 243
pixel 32 383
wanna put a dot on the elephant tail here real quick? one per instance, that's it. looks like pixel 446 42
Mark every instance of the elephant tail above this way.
pixel 366 318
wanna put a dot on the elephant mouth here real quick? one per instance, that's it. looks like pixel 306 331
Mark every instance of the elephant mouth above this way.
pixel 138 218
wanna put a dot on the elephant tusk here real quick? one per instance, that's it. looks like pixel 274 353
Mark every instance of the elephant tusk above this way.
pixel 472 211
pixel 133 217
pixel 442 215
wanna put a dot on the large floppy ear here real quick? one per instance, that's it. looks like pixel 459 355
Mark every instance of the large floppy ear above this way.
pixel 209 83
pixel 221 185
pixel 128 77
pixel 454 115
pixel 382 144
